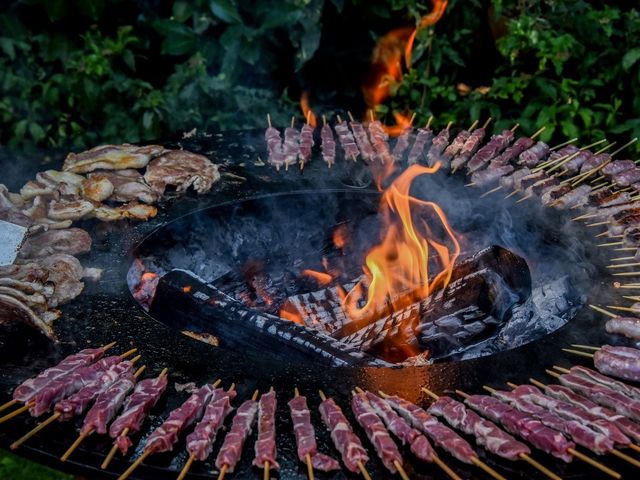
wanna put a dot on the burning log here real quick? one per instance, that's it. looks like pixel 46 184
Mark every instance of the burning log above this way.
pixel 203 308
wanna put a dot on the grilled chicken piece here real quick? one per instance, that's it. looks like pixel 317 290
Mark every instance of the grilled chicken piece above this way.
pixel 111 157
pixel 70 209
pixel 127 185
pixel 52 183
pixel 13 311
pixel 132 210
pixel 72 241
pixel 97 188
pixel 65 273
pixel 182 169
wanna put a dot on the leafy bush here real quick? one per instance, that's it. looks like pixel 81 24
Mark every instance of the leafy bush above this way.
pixel 78 72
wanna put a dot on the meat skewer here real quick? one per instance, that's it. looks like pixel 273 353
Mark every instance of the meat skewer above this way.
pixel 90 384
pixel 494 147
pixel 328 143
pixel 378 435
pixel 231 450
pixel 354 456
pixel 200 441
pixel 274 145
pixel 379 139
pixel 362 139
pixel 531 429
pixel 470 146
pixel 291 145
pixel 166 435
pixel 486 433
pixel 306 142
pixel 423 137
pixel 598 162
pixel 347 141
pixel 105 408
pixel 457 143
pixel 144 397
pixel 403 141
pixel 265 446
pixel 565 394
pixel 25 392
pixel 438 145
pixel 66 385
pixel 307 447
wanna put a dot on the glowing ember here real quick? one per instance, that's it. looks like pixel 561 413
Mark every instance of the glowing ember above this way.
pixel 320 277
pixel 145 290
pixel 392 57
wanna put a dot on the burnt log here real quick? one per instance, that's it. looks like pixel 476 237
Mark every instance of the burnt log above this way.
pixel 184 301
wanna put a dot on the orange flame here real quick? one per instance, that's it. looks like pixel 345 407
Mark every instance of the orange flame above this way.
pixel 392 56
pixel 320 277
pixel 340 236
pixel 398 271
pixel 306 109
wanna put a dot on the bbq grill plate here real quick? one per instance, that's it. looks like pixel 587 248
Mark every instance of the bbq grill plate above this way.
pixel 107 312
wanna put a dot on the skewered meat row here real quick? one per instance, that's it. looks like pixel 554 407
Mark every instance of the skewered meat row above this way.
pixel 490 175
pixel 423 138
pixel 617 166
pixel 570 412
pixel 378 435
pixel 579 433
pixel 73 400
pixel 628 427
pixel 136 408
pixel 274 147
pixel 439 434
pixel 397 425
pixel 469 148
pixel 533 155
pixel 25 392
pixel 265 447
pixel 626 177
pixel 596 377
pixel 438 145
pixel 291 146
pixel 231 450
pixel 163 438
pixel 494 146
pixel 455 146
pixel 328 145
pixel 379 141
pixel 402 144
pixel 345 441
pixel 510 154
pixel 524 425
pixel 306 143
pixel 602 395
pixel 107 403
pixel 200 441
pixel 621 362
pixel 306 437
pixel 347 141
pixel 486 433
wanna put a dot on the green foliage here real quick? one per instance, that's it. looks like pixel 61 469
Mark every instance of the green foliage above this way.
pixel 79 72
pixel 16 468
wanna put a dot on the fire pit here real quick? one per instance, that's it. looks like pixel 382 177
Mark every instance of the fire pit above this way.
pixel 228 268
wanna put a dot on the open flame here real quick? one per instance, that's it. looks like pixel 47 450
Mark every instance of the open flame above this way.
pixel 392 57
pixel 305 106
pixel 415 257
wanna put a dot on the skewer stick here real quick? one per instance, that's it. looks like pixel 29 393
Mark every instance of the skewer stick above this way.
pixel 430 393
pixel 586 347
pixel 625 457
pixel 10 403
pixel 74 445
pixel 515 127
pixel 491 191
pixel 526 197
pixel 538 132
pixel 448 125
pixel 223 471
pixel 538 466
pixel 401 471
pixel 323 397
pixel 552 373
pixel 479 463
pixel 445 468
pixel 578 352
pixel 515 192
pixel 486 124
pixel 15 445
pixel 135 464
pixel 630 142
pixel 470 184
pixel 363 471
pixel 310 474
pixel 594 463
pixel 350 116
pixel 610 244
pixel 293 121
pixel 564 144
pixel 626 274
pixel 16 412
pixel 113 451
pixel 429 122
pixel 269 120
pixel 187 466
pixel 128 353
pixel 473 126
pixel 635 299
pixel 462 394
pixel 624 309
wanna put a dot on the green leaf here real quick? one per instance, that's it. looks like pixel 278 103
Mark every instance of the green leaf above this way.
pixel 7 47
pixel 90 8
pixel 225 10
pixel 36 131
pixel 182 11
pixel 630 58
pixel 129 59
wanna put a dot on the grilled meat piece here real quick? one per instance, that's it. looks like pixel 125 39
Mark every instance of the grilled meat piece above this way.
pixel 617 166
pixel 111 157
pixel 594 162
pixel 533 155
pixel 494 146
pixel 347 141
pixel 70 209
pixel 402 144
pixel 200 441
pixel 438 145
pixel 72 241
pixel 423 138
pixel 554 193
pixel 490 174
pixel 306 143
pixel 265 446
pixel 627 326
pixel 620 362
pixel 362 140
pixel 125 186
pixel 231 450
pixel 573 197
pixel 469 148
pixel 521 145
pixel 627 177
pixel 328 145
pixel 182 169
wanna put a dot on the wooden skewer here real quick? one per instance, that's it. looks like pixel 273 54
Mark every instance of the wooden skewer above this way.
pixel 511 194
pixel 16 412
pixel 538 132
pixel 586 347
pixel 626 274
pixel 310 473
pixel 622 259
pixel 429 122
pixel 610 244
pixel 34 431
pixel 350 116
pixel 187 466
pixel 449 125
pixel 538 466
pixel 486 124
pixel 624 309
pixel 269 119
pixel 113 451
pixel 400 469
pixel 445 468
pixel 635 299
pixel 430 393
pixel 594 463
pixel 526 197
pixel 363 471
pixel 625 249
pixel 81 438
pixel 578 352
pixel 564 144
pixel 625 457
pixel 10 403
pixel 135 464
pixel 629 285
pixel 479 463
pixel 473 126
pixel 223 472
pixel 470 184
pixel 515 127
pixel 582 177
pixel 491 191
